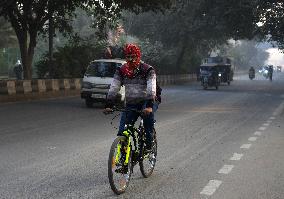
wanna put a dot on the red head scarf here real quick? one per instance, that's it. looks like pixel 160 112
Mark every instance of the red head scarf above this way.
pixel 133 55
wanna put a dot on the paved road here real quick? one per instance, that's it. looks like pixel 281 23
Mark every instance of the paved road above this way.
pixel 223 144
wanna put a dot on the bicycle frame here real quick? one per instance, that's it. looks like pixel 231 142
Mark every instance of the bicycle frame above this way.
pixel 126 151
pixel 132 141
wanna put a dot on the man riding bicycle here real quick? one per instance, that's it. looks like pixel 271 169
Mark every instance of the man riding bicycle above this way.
pixel 139 80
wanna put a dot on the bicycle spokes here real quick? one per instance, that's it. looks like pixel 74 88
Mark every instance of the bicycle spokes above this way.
pixel 149 160
pixel 119 169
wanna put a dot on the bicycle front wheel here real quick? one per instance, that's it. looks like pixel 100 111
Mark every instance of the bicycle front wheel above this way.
pixel 119 170
pixel 148 161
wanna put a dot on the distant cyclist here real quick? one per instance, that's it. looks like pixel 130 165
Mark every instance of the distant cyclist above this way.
pixel 139 80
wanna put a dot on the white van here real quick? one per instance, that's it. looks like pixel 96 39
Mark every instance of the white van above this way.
pixel 97 80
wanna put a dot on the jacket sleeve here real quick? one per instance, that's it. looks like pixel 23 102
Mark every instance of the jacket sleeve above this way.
pixel 151 87
pixel 114 89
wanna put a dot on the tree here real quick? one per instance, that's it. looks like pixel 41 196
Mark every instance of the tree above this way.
pixel 271 20
pixel 183 31
pixel 29 18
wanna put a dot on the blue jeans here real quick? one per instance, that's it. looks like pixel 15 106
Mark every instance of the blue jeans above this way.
pixel 131 117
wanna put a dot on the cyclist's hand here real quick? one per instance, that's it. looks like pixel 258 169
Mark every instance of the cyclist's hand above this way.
pixel 147 111
pixel 107 110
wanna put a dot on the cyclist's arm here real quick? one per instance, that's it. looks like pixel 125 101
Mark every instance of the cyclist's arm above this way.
pixel 114 89
pixel 151 88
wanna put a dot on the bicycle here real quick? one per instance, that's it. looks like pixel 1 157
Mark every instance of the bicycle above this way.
pixel 128 150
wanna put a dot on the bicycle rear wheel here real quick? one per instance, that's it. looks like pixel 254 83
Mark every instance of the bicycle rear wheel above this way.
pixel 119 173
pixel 148 162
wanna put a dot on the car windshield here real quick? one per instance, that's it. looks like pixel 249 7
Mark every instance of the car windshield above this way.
pixel 207 68
pixel 102 69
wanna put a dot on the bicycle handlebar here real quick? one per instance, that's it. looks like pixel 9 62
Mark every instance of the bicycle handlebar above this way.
pixel 114 109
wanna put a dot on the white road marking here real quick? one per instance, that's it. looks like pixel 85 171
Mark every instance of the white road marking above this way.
pixel 237 156
pixel 51 147
pixel 272 118
pixel 245 146
pixel 252 139
pixel 278 110
pixel 268 121
pixel 226 169
pixel 257 133
pixel 265 124
pixel 262 128
pixel 211 187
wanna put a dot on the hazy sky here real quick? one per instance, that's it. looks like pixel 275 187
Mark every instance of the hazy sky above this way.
pixel 276 58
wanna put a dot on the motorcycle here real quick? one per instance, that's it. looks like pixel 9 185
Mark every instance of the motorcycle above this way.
pixel 251 75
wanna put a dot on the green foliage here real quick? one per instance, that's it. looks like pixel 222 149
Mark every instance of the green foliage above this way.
pixel 70 60
pixel 29 18
pixel 8 58
pixel 190 30
pixel 182 33
pixel 271 18
pixel 7 35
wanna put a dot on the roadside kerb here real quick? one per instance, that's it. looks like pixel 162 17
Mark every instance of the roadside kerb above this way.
pixel 18 90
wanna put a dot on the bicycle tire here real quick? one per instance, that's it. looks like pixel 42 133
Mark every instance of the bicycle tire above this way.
pixel 152 158
pixel 111 170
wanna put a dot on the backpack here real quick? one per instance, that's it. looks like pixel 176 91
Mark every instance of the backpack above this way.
pixel 145 69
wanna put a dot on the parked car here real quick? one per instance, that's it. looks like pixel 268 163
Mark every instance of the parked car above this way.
pixel 97 80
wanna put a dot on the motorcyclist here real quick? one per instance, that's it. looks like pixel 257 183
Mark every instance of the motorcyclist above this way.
pixel 140 91
pixel 251 73
pixel 270 72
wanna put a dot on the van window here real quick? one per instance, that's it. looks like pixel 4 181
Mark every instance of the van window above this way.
pixel 102 69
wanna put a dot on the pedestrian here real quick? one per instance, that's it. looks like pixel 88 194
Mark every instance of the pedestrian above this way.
pixel 18 70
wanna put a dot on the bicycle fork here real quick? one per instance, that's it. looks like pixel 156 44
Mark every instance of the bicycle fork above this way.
pixel 125 149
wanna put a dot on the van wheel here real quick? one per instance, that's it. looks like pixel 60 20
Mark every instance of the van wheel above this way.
pixel 89 103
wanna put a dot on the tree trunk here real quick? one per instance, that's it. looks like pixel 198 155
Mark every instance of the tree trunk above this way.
pixel 181 55
pixel 27 52
pixel 50 43
pixel 22 38
pixel 30 56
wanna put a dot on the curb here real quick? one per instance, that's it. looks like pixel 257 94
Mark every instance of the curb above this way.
pixel 25 90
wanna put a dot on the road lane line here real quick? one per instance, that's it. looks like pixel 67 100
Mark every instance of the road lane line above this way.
pixel 226 169
pixel 252 139
pixel 257 133
pixel 272 118
pixel 265 124
pixel 237 156
pixel 269 121
pixel 211 187
pixel 278 110
pixel 262 128
pixel 245 146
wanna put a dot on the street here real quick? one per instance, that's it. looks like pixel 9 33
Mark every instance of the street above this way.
pixel 220 144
